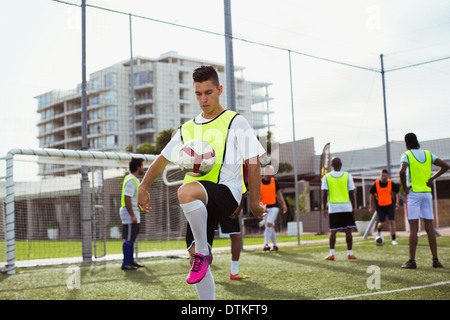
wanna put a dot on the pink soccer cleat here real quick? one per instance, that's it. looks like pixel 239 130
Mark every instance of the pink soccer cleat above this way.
pixel 199 268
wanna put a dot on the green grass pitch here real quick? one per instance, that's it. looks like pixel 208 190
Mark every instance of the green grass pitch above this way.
pixel 293 273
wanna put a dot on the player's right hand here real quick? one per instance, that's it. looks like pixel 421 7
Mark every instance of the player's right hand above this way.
pixel 144 203
pixel 259 210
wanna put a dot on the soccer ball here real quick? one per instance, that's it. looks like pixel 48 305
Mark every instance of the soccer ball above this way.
pixel 379 241
pixel 196 158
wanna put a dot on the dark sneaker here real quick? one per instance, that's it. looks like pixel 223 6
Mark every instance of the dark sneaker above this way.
pixel 410 264
pixel 138 265
pixel 437 264
pixel 266 248
pixel 129 266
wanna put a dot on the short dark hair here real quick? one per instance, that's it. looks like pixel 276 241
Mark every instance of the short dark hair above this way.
pixel 385 171
pixel 205 73
pixel 411 141
pixel 135 163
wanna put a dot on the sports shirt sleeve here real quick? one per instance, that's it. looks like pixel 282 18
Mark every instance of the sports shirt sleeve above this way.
pixel 130 188
pixel 351 184
pixel 171 150
pixel 245 139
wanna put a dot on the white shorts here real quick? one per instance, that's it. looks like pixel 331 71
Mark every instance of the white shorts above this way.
pixel 419 205
pixel 271 215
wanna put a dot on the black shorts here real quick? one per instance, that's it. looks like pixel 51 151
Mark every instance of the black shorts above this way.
pixel 130 232
pixel 229 226
pixel 221 204
pixel 383 211
pixel 341 221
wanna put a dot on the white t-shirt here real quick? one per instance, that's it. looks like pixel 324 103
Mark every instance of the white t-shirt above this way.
pixel 339 207
pixel 419 154
pixel 130 190
pixel 241 145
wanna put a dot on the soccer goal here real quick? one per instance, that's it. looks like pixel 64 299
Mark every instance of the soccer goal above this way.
pixel 62 207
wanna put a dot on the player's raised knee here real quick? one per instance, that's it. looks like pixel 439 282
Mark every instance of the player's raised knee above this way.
pixel 190 192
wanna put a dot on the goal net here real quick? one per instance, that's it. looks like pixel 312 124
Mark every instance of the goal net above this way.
pixel 42 200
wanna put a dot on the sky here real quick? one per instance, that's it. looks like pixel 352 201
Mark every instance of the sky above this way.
pixel 337 93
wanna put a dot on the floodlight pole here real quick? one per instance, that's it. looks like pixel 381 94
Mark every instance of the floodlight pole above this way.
pixel 294 147
pixel 229 65
pixel 133 110
pixel 85 197
pixel 388 146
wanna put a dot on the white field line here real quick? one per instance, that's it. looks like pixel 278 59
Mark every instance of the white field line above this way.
pixel 391 291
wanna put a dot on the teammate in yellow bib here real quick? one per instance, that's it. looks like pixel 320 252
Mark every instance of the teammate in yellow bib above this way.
pixel 338 190
pixel 129 213
pixel 415 176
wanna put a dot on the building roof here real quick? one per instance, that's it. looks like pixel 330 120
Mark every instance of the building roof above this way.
pixel 365 163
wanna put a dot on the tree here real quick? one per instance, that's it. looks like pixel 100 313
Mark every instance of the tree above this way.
pixel 149 148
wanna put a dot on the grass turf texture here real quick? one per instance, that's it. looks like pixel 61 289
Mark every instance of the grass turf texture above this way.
pixel 50 249
pixel 293 273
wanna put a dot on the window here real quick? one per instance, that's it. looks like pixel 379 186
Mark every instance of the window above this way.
pixel 94 100
pixel 48 113
pixel 144 95
pixel 111 112
pixel 44 100
pixel 96 143
pixel 143 78
pixel 95 85
pixel 94 115
pixel 112 126
pixel 111 96
pixel 111 141
pixel 95 129
pixel 110 80
pixel 48 140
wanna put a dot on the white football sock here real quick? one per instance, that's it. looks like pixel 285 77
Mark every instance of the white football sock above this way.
pixel 273 237
pixel 206 289
pixel 197 215
pixel 234 267
pixel 267 235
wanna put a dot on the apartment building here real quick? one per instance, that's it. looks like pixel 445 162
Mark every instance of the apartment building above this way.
pixel 163 99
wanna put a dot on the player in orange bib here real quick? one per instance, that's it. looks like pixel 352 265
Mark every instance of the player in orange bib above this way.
pixel 382 193
pixel 270 195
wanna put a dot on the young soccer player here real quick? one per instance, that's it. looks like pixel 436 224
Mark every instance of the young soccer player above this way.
pixel 416 179
pixel 382 193
pixel 338 189
pixel 271 196
pixel 219 192
pixel 129 213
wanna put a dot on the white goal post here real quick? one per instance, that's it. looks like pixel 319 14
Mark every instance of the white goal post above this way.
pixel 85 158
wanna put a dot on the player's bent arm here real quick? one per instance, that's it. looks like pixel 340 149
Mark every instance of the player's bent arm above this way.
pixel 444 167
pixel 154 171
pixel 281 198
pixel 254 186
